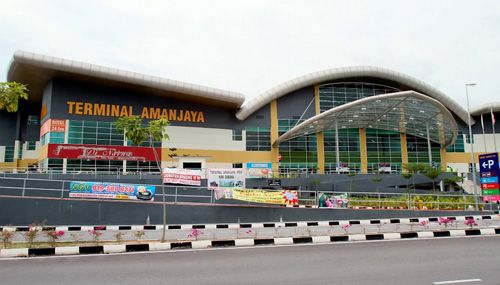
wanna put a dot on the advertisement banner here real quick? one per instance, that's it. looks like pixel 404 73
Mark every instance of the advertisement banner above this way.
pixel 259 169
pixel 53 126
pixel 102 152
pixel 104 190
pixel 384 167
pixel 284 197
pixel 182 176
pixel 226 178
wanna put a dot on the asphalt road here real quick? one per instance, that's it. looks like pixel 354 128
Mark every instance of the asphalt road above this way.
pixel 392 262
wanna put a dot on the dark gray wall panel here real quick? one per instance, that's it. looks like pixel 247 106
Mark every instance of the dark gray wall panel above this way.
pixel 7 128
pixel 62 212
pixel 295 103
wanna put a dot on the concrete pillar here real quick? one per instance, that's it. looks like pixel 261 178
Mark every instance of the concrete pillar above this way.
pixel 274 135
pixel 320 137
pixel 404 150
pixel 363 151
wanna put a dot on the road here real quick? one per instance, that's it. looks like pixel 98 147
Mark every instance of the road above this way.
pixel 392 262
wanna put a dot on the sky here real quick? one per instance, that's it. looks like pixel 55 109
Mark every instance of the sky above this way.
pixel 251 46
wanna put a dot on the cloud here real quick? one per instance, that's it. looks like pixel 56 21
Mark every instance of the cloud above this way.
pixel 251 46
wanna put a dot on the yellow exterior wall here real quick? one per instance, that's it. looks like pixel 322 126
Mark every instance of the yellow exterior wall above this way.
pixel 43 152
pixel 7 165
pixel 461 157
pixel 221 155
pixel 320 138
pixel 362 150
pixel 19 164
pixel 274 135
pixel 404 149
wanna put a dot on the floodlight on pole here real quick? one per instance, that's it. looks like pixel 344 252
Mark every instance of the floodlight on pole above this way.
pixel 471 145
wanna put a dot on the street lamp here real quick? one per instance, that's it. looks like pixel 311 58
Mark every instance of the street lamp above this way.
pixel 471 145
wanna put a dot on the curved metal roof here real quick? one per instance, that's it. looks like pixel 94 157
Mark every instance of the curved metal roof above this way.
pixel 485 108
pixel 37 69
pixel 406 112
pixel 258 102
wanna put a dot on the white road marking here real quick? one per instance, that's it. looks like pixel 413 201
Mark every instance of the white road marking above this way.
pixel 458 281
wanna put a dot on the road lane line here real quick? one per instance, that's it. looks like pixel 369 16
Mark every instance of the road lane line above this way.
pixel 457 281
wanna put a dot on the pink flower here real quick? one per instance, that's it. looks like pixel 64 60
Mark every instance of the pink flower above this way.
pixel 424 223
pixel 470 222
pixel 346 227
pixel 445 221
pixel 60 233
pixel 195 233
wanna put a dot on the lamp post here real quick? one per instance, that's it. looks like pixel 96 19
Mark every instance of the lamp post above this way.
pixel 471 145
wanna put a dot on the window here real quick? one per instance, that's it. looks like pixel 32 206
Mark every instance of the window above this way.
pixel 237 135
pixel 9 154
pixel 90 132
pixel 459 144
pixel 32 120
pixel 258 139
pixel 238 165
pixel 30 145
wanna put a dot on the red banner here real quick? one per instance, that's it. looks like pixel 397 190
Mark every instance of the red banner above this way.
pixel 102 152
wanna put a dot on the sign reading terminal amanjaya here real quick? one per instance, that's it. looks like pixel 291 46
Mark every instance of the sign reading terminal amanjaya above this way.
pixel 116 110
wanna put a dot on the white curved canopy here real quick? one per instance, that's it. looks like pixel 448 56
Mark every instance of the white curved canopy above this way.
pixel 258 102
pixel 406 112
pixel 485 108
pixel 37 69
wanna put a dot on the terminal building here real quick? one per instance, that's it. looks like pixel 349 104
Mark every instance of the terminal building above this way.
pixel 353 119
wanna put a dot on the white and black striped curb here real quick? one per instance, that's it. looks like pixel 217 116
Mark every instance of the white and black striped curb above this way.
pixel 204 244
pixel 255 225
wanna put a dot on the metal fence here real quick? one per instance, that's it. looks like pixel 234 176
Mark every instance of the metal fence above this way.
pixel 31 186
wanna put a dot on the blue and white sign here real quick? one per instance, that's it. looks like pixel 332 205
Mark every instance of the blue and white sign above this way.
pixel 259 169
pixel 485 180
pixel 488 162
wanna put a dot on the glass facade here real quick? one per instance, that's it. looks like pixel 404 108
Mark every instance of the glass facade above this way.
pixel 383 148
pixel 335 94
pixel 92 132
pixel 459 144
pixel 95 133
pixel 417 150
pixel 258 139
pixel 349 154
pixel 299 154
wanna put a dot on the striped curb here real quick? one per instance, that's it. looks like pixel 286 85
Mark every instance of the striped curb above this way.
pixel 253 225
pixel 205 244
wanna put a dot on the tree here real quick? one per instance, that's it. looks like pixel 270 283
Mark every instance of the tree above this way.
pixel 134 131
pixel 377 179
pixel 407 175
pixel 10 93
pixel 155 131
pixel 413 168
pixel 432 173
